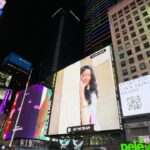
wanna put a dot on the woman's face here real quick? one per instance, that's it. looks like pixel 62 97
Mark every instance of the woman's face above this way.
pixel 86 76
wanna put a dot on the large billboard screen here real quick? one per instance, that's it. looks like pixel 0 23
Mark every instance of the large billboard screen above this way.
pixel 85 94
pixel 135 96
pixel 34 115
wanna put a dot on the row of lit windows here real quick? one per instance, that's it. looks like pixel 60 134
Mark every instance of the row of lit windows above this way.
pixel 131 60
pixel 136 76
pixel 133 69
pixel 131 27
pixel 137 48
pixel 135 41
pixel 127 10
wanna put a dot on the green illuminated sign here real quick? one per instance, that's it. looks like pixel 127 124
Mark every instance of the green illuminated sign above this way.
pixel 135 146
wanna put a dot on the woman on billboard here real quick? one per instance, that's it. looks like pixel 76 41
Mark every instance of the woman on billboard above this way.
pixel 88 96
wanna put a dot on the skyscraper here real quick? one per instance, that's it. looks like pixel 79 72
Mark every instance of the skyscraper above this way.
pixel 67 37
pixel 130 29
pixel 97 29
pixel 65 42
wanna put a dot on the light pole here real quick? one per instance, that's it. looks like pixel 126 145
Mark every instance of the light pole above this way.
pixel 16 127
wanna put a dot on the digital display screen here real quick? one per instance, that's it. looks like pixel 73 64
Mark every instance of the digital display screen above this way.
pixel 2 93
pixel 2 4
pixel 5 96
pixel 135 96
pixel 4 79
pixel 85 94
pixel 34 115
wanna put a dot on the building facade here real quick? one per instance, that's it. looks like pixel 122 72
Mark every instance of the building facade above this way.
pixel 130 31
pixel 97 29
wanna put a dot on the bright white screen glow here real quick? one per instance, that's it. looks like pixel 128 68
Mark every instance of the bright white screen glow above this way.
pixel 68 109
pixel 135 96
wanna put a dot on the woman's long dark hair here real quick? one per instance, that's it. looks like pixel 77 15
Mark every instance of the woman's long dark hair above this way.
pixel 92 84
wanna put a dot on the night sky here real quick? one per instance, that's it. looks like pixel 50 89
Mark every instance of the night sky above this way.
pixel 25 26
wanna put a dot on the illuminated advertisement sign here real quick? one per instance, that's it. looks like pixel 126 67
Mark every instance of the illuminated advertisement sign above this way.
pixel 85 94
pixel 5 79
pixel 19 61
pixel 2 4
pixel 137 145
pixel 135 96
pixel 34 115
pixel 5 95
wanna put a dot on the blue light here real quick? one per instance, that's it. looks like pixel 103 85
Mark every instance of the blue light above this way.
pixel 1 12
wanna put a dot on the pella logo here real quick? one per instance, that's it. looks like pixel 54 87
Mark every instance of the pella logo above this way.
pixel 136 145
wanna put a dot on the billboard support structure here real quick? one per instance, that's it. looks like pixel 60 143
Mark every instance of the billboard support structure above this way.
pixel 16 124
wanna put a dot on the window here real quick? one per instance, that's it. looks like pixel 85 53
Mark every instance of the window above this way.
pixel 147 19
pixel 145 14
pixel 129 52
pixel 115 24
pixel 133 69
pixel 114 17
pixel 140 2
pixel 117 29
pixel 139 24
pixel 131 28
pixel 135 41
pixel 120 48
pixel 142 66
pixel 125 72
pixel 131 60
pixel 142 8
pixel 120 13
pixel 129 22
pixel 140 57
pixel 121 55
pixel 127 45
pixel 128 17
pixel 123 26
pixel 123 63
pixel 141 30
pixel 148 26
pixel 119 42
pixel 146 45
pixel 144 37
pixel 145 73
pixel 134 77
pixel 122 20
pixel 135 12
pixel 124 32
pixel 148 53
pixel 126 9
pixel 133 34
pixel 132 5
pixel 137 18
pixel 126 38
pixel 126 79
pixel 137 49
pixel 117 35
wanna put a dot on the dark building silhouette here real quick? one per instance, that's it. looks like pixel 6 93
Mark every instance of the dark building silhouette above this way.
pixel 97 28
pixel 66 42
